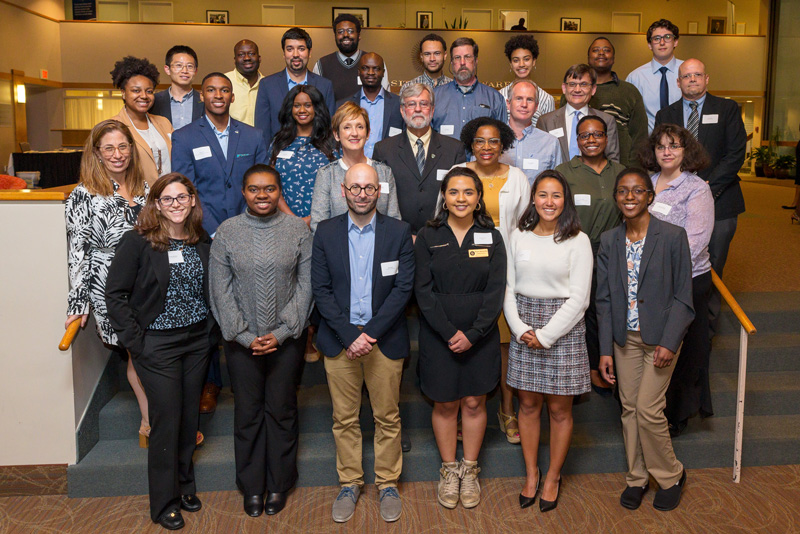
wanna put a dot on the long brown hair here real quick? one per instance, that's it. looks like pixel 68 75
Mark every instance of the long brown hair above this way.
pixel 152 225
pixel 568 225
pixel 93 173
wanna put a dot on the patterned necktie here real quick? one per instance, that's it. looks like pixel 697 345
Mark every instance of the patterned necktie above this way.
pixel 693 123
pixel 420 156
pixel 348 61
pixel 573 135
pixel 664 88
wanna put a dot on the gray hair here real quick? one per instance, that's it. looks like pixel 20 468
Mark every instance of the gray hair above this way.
pixel 519 82
pixel 415 89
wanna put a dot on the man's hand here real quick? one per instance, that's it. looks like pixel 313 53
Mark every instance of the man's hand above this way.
pixel 663 357
pixel 361 346
pixel 606 369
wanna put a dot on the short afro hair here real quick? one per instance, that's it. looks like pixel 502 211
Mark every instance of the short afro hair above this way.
pixel 470 130
pixel 526 41
pixel 133 66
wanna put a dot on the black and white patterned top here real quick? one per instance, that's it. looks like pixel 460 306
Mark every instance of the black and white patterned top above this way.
pixel 95 224
pixel 185 303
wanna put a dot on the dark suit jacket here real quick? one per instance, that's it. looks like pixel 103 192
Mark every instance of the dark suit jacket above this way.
pixel 558 119
pixel 417 194
pixel 391 111
pixel 272 90
pixel 136 289
pixel 218 179
pixel 161 105
pixel 330 283
pixel 726 143
pixel 665 287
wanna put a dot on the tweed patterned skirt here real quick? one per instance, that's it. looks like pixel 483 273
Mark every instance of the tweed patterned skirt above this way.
pixel 563 369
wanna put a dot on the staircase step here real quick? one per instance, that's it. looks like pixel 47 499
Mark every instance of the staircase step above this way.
pixel 765 352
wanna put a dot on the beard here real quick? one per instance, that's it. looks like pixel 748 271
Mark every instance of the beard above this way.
pixel 348 49
pixel 419 121
pixel 463 75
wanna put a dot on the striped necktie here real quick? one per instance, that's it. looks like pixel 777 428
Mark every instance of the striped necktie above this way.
pixel 693 124
pixel 420 156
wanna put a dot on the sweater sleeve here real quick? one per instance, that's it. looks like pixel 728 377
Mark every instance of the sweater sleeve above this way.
pixel 293 316
pixel 321 197
pixel 515 324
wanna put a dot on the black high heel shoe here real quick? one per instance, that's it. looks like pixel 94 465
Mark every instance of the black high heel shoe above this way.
pixel 525 502
pixel 546 506
pixel 789 207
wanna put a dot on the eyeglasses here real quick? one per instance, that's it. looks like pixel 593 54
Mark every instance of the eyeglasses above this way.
pixel 348 31
pixel 692 75
pixel 463 59
pixel 587 135
pixel 356 189
pixel 637 191
pixel 424 104
pixel 658 38
pixel 673 147
pixel 582 85
pixel 177 67
pixel 494 142
pixel 183 199
pixel 109 150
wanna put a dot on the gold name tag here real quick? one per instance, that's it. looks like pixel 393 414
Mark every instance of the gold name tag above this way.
pixel 479 253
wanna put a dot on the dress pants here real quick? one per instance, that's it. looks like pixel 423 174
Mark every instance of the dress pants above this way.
pixel 345 380
pixel 592 329
pixel 642 386
pixel 721 237
pixel 265 423
pixel 172 368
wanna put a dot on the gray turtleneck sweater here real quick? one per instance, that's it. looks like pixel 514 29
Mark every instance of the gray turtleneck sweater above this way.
pixel 260 277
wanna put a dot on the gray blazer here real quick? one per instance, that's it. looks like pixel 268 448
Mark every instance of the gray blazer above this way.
pixel 558 119
pixel 327 200
pixel 665 287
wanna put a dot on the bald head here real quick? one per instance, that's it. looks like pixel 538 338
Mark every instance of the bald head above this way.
pixel 692 79
pixel 370 70
pixel 361 190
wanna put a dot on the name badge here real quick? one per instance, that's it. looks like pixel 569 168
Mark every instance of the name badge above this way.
pixel 583 200
pixel 175 256
pixel 558 132
pixel 286 154
pixel 394 131
pixel 441 173
pixel 482 238
pixel 530 164
pixel 447 129
pixel 390 268
pixel 384 188
pixel 711 119
pixel 663 209
pixel 524 255
pixel 479 253
pixel 202 152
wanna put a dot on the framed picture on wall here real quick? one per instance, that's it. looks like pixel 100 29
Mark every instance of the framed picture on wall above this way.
pixel 361 13
pixel 570 24
pixel 716 25
pixel 424 19
pixel 216 17
pixel 692 26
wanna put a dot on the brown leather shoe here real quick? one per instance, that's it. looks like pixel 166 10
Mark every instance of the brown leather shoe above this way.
pixel 208 402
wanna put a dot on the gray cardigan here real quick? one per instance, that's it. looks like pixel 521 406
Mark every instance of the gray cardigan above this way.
pixel 327 200
pixel 260 277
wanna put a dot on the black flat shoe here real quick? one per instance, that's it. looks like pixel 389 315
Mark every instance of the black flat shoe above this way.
pixel 676 430
pixel 172 520
pixel 190 503
pixel 669 499
pixel 603 392
pixel 405 442
pixel 789 207
pixel 631 498
pixel 275 503
pixel 546 506
pixel 253 505
pixel 525 502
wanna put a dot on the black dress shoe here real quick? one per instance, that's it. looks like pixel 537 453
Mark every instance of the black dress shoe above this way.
pixel 275 503
pixel 669 499
pixel 631 498
pixel 190 503
pixel 405 441
pixel 603 392
pixel 546 506
pixel 677 429
pixel 789 207
pixel 525 502
pixel 253 505
pixel 172 520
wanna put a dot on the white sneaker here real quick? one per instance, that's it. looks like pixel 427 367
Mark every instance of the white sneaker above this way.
pixel 470 487
pixel 449 484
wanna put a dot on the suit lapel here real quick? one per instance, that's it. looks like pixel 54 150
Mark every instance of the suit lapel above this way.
pixel 345 248
pixel 138 139
pixel 407 156
pixel 207 130
pixel 160 262
pixel 653 231
pixel 621 253
pixel 380 230
pixel 387 113
pixel 561 122
pixel 233 142
pixel 709 108
pixel 430 158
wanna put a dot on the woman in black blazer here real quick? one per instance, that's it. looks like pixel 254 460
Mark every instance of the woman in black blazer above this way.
pixel 157 299
pixel 644 307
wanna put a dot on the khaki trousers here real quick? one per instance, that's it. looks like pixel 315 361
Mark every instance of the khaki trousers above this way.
pixel 345 379
pixel 642 388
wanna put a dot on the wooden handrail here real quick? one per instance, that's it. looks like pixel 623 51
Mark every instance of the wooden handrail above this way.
pixel 69 335
pixel 735 308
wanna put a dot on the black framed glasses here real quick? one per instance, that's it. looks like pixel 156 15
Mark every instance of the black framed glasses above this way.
pixel 586 135
pixel 356 189
pixel 183 199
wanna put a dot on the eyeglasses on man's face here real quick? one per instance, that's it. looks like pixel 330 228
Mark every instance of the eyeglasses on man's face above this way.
pixel 356 189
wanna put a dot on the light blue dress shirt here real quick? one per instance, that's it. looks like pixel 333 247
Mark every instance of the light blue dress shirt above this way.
pixel 223 136
pixel 375 111
pixel 647 79
pixel 181 109
pixel 362 251
pixel 291 83
pixel 535 152
pixel 687 109
pixel 455 108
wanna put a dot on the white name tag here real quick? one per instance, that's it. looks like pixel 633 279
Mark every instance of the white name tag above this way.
pixel 583 200
pixel 441 173
pixel 524 255
pixel 175 256
pixel 384 188
pixel 447 129
pixel 394 131
pixel 358 79
pixel 482 238
pixel 660 207
pixel 390 268
pixel 202 152
pixel 711 119
pixel 558 132
pixel 530 164
pixel 286 154
pixel 169 135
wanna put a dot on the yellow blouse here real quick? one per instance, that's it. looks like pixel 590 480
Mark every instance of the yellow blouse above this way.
pixel 491 195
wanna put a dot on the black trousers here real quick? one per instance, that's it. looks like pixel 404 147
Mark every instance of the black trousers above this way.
pixel 172 368
pixel 592 329
pixel 265 424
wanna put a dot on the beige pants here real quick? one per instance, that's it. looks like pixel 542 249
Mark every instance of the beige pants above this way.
pixel 642 387
pixel 345 379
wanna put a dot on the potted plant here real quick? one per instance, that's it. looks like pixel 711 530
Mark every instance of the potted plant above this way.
pixel 763 157
pixel 782 165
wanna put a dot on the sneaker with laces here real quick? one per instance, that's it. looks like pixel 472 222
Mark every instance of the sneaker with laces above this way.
pixel 449 484
pixel 391 507
pixel 345 504
pixel 470 487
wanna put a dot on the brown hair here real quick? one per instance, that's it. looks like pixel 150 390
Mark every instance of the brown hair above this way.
pixel 347 112
pixel 695 157
pixel 93 173
pixel 152 225
pixel 568 224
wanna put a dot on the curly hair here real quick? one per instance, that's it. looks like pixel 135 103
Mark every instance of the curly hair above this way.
pixel 152 224
pixel 471 129
pixel 321 133
pixel 568 225
pixel 133 66
pixel 480 215
pixel 695 157
pixel 346 17
pixel 526 41
pixel 663 23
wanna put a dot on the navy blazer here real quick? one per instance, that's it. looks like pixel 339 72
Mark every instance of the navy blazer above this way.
pixel 330 283
pixel 196 154
pixel 725 140
pixel 272 91
pixel 664 292
pixel 391 111
pixel 162 107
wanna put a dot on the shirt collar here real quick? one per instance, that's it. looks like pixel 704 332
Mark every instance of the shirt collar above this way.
pixel 346 168
pixel 468 91
pixel 699 101
pixel 370 225
pixel 227 129
pixel 355 57
pixel 674 184
pixel 243 81
pixel 185 97
pixel 584 110
pixel 290 80
pixel 672 66
pixel 377 98
pixel 424 137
